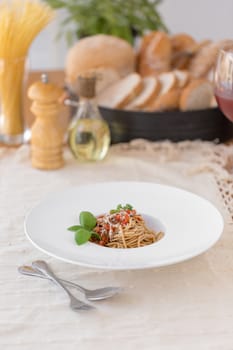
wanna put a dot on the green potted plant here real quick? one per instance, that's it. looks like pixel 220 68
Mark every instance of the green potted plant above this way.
pixel 123 18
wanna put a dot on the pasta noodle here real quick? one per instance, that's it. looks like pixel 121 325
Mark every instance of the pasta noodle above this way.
pixel 20 22
pixel 124 229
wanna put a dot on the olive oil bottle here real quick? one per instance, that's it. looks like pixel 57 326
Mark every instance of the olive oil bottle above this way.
pixel 88 134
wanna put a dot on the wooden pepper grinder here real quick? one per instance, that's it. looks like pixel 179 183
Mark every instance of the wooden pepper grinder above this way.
pixel 46 133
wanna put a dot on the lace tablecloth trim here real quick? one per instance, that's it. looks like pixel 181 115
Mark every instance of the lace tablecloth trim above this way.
pixel 202 157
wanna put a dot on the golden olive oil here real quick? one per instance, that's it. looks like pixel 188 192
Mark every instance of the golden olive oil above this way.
pixel 89 135
pixel 89 139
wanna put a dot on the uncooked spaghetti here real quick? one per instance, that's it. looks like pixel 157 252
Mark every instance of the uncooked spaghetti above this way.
pixel 124 228
pixel 20 22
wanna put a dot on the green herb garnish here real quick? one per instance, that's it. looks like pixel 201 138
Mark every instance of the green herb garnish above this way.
pixel 120 207
pixel 74 228
pixel 87 220
pixel 83 232
pixel 82 236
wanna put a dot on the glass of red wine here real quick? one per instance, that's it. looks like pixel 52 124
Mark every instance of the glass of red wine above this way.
pixel 223 82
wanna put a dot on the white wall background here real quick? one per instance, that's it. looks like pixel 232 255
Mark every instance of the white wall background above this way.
pixel 203 19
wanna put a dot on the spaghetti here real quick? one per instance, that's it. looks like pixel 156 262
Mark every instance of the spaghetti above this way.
pixel 124 228
pixel 20 22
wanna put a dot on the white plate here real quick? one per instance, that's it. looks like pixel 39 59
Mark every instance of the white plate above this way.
pixel 191 224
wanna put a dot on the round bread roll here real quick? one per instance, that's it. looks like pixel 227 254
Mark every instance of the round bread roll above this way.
pixel 155 54
pixel 99 51
pixel 206 57
pixel 196 95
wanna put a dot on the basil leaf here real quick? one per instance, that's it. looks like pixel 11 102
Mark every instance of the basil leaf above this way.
pixel 82 236
pixel 87 220
pixel 74 228
pixel 128 206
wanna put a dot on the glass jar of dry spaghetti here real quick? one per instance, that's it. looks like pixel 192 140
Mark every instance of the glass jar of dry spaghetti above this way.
pixel 20 22
pixel 13 72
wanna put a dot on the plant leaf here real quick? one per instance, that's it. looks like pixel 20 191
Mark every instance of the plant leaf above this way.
pixel 119 17
pixel 74 228
pixel 87 220
pixel 82 236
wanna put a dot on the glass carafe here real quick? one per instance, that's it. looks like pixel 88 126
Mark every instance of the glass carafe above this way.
pixel 88 134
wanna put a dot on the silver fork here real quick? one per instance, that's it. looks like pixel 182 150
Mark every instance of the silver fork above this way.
pixel 75 303
pixel 90 294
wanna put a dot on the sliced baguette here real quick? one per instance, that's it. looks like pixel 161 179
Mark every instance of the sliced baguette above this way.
pixel 155 55
pixel 168 97
pixel 121 93
pixel 196 95
pixel 213 102
pixel 167 102
pixel 182 77
pixel 151 88
pixel 168 82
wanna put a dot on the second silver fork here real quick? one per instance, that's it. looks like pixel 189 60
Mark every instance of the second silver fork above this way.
pixel 90 294
pixel 75 303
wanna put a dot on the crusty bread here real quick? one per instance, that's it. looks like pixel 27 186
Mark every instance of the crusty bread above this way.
pixel 168 82
pixel 182 42
pixel 182 77
pixel 150 90
pixel 167 102
pixel 155 56
pixel 198 46
pixel 99 51
pixel 169 94
pixel 182 45
pixel 121 93
pixel 105 78
pixel 182 59
pixel 205 58
pixel 145 41
pixel 213 102
pixel 196 95
pixel 141 64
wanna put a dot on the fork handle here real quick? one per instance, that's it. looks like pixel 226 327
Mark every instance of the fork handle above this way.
pixel 42 266
pixel 30 271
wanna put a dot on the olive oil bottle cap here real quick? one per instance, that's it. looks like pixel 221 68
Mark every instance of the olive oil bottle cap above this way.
pixel 86 86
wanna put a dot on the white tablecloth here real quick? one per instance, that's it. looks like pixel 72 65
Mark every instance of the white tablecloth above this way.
pixel 179 307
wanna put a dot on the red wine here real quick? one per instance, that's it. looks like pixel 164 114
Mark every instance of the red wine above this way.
pixel 225 103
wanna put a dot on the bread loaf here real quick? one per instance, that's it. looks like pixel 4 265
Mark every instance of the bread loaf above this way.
pixel 155 57
pixel 105 78
pixel 99 51
pixel 182 45
pixel 206 57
